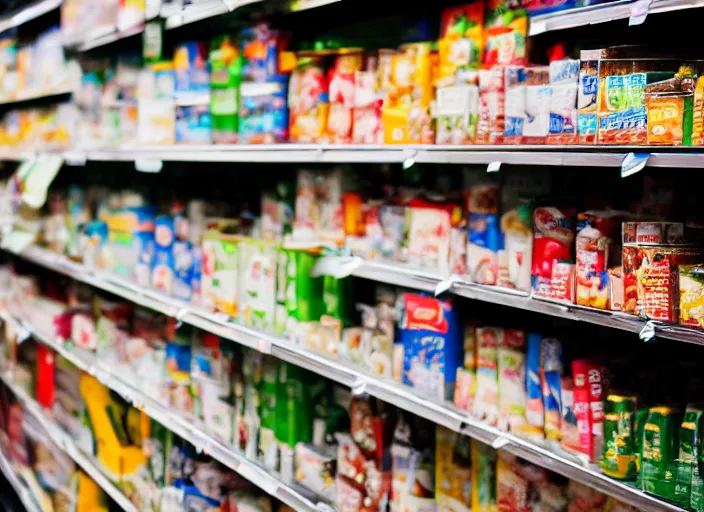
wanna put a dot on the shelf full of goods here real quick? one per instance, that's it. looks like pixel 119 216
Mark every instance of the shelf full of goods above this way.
pixel 472 86
pixel 341 449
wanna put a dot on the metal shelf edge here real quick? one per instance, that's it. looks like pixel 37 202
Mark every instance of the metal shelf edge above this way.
pixel 23 492
pixel 28 13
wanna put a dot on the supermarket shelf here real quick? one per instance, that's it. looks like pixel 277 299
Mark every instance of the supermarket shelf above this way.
pixel 32 11
pixel 409 277
pixel 585 156
pixel 602 13
pixel 177 423
pixel 23 492
pixel 64 441
pixel 35 95
pixel 203 10
pixel 110 37
pixel 357 379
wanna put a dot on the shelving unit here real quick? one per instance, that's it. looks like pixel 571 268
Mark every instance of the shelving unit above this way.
pixel 23 493
pixel 357 379
pixel 184 428
pixel 31 12
pixel 88 464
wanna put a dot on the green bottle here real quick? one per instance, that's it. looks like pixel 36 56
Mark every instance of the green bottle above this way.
pixel 688 454
pixel 619 457
pixel 660 451
pixel 309 289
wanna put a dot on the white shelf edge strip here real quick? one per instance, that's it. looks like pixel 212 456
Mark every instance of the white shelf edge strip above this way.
pixel 64 441
pixel 28 13
pixel 14 480
pixel 592 156
pixel 176 423
pixel 35 96
pixel 396 394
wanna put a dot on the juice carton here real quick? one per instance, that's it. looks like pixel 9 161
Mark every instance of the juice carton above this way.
pixel 225 77
pixel 163 267
pixel 461 43
pixel 551 384
pixel 486 402
pixel 432 346
pixel 453 471
pixel 514 104
pixel 370 86
pixel 669 104
pixel 485 238
pixel 595 256
pixel 220 281
pixel 505 35
pixel 588 406
pixel 587 96
pixel 553 254
pixel 308 99
pixel 342 95
pixel 538 95
pixel 511 368
pixel 457 109
pixel 406 112
pixel 564 86
pixel 257 301
pixel 515 256
pixel 491 121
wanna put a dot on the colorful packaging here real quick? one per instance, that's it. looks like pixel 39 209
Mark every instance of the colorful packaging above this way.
pixel 505 35
pixel 432 347
pixel 538 97
pixel 618 459
pixel 457 109
pixel 491 121
pixel 514 104
pixel 698 114
pixel 308 100
pixel 225 77
pixel 370 86
pixel 564 86
pixel 660 450
pixel 588 96
pixel 453 471
pixel 515 257
pixel 257 302
pixel 220 281
pixel 413 465
pixel 263 112
pixel 193 125
pixel 406 113
pixel 191 68
pixel 163 266
pixel 486 401
pixel 461 44
pixel 570 433
pixel 429 238
pixel 485 238
pixel 589 407
pixel 511 367
pixel 483 478
pixel 553 255
pixel 535 410
pixel 669 104
pixel 319 211
pixel 688 458
pixel 691 285
pixel 342 95
pixel 465 387
pixel 551 385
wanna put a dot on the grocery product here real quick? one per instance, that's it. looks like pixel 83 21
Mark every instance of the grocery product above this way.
pixel 453 471
pixel 553 254
pixel 564 88
pixel 660 451
pixel 618 460
pixel 485 404
pixel 687 477
pixel 669 104
pixel 485 237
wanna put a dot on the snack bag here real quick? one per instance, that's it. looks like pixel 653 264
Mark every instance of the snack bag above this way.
pixel 515 257
pixel 453 471
pixel 461 43
pixel 486 402
pixel 553 254
pixel 342 96
pixel 505 35
pixel 308 100
pixel 483 478
pixel 485 237
pixel 370 86
pixel 691 284
pixel 511 366
pixel 432 348
pixel 698 113
pixel 669 104
pixel 492 112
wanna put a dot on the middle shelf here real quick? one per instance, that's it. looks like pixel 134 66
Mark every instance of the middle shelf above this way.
pixel 359 380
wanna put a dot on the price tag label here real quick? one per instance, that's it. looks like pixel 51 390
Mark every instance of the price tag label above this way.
pixel 633 163
pixel 150 165
pixel 647 333
pixel 499 443
pixel 359 386
pixel 76 158
pixel 493 166
pixel 446 285
pixel 639 11
pixel 38 178
pixel 264 346
pixel 537 27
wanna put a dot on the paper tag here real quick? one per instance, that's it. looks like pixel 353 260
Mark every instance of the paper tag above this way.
pixel 264 346
pixel 444 286
pixel 23 334
pixel 647 333
pixel 179 317
pixel 639 11
pixel 150 165
pixel 337 267
pixel 77 158
pixel 16 241
pixel 37 180
pixel 537 27
pixel 493 166
pixel 359 386
pixel 633 163
pixel 499 443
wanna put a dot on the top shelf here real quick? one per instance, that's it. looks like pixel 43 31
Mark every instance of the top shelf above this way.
pixel 32 11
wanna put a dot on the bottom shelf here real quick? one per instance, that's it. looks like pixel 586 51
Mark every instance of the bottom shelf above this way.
pixel 23 492
pixel 64 441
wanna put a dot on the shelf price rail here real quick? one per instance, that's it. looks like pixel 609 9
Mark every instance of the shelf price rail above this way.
pixel 358 380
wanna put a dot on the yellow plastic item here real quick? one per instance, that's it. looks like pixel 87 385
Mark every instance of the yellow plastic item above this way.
pixel 91 497
pixel 115 452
